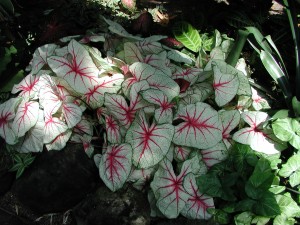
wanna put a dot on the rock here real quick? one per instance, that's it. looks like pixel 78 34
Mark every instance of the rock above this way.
pixel 57 180
pixel 127 207
pixel 6 181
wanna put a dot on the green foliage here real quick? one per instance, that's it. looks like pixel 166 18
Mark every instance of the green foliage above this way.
pixel 20 162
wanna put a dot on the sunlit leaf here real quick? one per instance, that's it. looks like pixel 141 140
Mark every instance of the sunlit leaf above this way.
pixel 115 166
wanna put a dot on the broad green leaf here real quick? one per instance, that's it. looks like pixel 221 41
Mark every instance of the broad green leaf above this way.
pixel 150 142
pixel 210 185
pixel 267 205
pixel 115 165
pixel 187 35
pixel 7 4
pixel 282 219
pixel 244 218
pixel 260 220
pixel 288 206
pixel 292 170
pixel 200 126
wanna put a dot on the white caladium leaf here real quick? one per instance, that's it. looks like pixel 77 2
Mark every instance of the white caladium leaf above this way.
pixel 199 92
pixel 259 100
pixel 180 57
pixel 7 114
pixel 150 142
pixel 60 141
pixel 94 97
pixel 260 139
pixel 230 119
pixel 226 82
pixel 197 203
pixel 40 57
pixel 87 145
pixel 28 87
pixel 165 84
pixel 201 126
pixel 132 53
pixel 84 127
pixel 33 141
pixel 113 132
pixel 150 45
pixel 53 128
pixel 214 155
pixel 136 101
pixel 72 114
pixel 118 107
pixel 115 166
pixel 26 117
pixel 189 74
pixel 159 62
pixel 80 71
pixel 168 188
pixel 50 99
pixel 163 114
pixel 181 153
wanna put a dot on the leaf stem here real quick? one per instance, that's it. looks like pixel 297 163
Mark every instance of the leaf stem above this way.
pixel 292 190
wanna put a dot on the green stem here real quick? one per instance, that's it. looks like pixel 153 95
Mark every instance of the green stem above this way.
pixel 290 10
pixel 237 48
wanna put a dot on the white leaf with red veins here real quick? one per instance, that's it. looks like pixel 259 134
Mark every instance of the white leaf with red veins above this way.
pixel 226 83
pixel 150 142
pixel 72 114
pixel 259 139
pixel 259 100
pixel 53 128
pixel 150 45
pixel 118 107
pixel 94 97
pixel 168 188
pixel 84 127
pixel 7 114
pixel 159 62
pixel 230 119
pixel 80 71
pixel 115 166
pixel 26 117
pixel 164 113
pixel 200 127
pixel 28 87
pixel 50 99
pixel 182 153
pixel 197 203
pixel 189 74
pixel 40 57
pixel 60 141
pixel 165 84
pixel 112 130
pixel 33 141
pixel 214 155
pixel 136 101
pixel 132 53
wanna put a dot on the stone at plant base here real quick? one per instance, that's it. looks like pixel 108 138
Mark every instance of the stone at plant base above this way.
pixel 6 180
pixel 57 180
pixel 124 207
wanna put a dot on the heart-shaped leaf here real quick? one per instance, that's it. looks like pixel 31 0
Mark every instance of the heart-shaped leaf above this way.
pixel 214 155
pixel 40 57
pixel 132 53
pixel 201 126
pixel 53 128
pixel 150 142
pixel 189 74
pixel 80 71
pixel 60 141
pixel 181 153
pixel 197 203
pixel 72 113
pixel 112 130
pixel 226 82
pixel 115 165
pixel 25 117
pixel 259 139
pixel 29 87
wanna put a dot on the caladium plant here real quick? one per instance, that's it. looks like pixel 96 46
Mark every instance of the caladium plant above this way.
pixel 163 112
